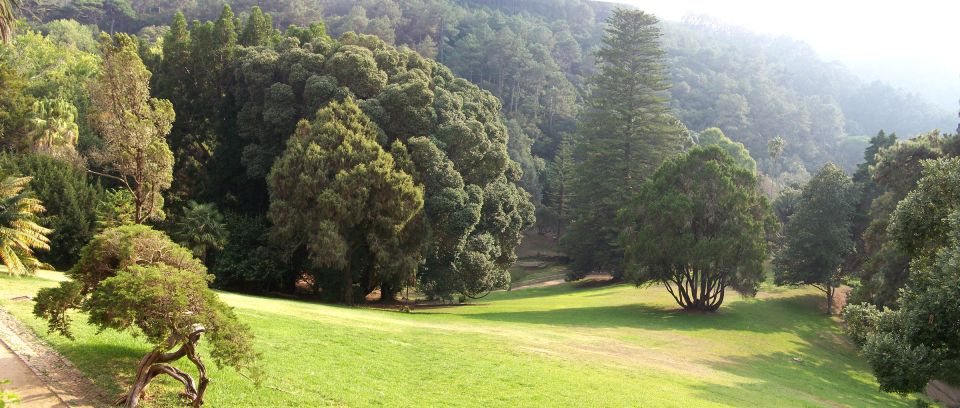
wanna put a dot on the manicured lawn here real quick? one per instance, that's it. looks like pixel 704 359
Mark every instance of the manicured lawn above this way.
pixel 557 346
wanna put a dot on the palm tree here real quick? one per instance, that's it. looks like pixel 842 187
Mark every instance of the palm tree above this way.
pixel 19 234
pixel 201 228
pixel 7 7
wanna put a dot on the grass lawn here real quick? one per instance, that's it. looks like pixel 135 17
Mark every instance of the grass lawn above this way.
pixel 556 346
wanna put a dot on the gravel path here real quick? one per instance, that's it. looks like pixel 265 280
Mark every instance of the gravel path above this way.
pixel 40 376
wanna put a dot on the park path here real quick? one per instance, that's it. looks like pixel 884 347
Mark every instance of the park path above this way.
pixel 40 376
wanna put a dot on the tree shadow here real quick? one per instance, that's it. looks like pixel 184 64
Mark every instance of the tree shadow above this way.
pixel 768 315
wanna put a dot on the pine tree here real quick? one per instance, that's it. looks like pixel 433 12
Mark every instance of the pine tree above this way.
pixel 257 30
pixel 338 194
pixel 627 131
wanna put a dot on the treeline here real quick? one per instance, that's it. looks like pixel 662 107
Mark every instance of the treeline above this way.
pixel 225 159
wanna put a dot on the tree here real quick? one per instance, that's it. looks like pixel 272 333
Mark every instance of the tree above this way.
pixel 340 197
pixel 134 278
pixel 560 173
pixel 19 232
pixel 920 340
pixel 818 235
pixel 626 132
pixel 257 30
pixel 69 197
pixel 739 153
pixel 7 18
pixel 133 126
pixel 201 229
pixel 698 227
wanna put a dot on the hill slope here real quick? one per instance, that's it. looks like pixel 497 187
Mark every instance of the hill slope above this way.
pixel 557 346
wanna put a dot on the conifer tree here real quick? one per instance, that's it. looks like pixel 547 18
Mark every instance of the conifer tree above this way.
pixel 627 130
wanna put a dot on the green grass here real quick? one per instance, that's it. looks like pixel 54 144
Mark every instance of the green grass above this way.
pixel 556 346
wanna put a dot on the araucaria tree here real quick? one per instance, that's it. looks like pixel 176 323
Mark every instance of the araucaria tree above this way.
pixel 340 197
pixel 133 127
pixel 699 227
pixel 626 131
pixel 818 235
pixel 135 278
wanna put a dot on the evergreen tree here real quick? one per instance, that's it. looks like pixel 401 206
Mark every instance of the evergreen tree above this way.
pixel 134 127
pixel 257 30
pixel 818 235
pixel 699 227
pixel 560 173
pixel 339 196
pixel 626 132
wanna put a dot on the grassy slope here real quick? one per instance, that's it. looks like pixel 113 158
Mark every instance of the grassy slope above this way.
pixel 557 346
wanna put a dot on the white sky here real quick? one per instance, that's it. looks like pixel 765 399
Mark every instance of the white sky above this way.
pixel 916 37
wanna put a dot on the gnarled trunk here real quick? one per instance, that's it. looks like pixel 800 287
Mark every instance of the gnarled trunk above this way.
pixel 156 363
pixel 697 289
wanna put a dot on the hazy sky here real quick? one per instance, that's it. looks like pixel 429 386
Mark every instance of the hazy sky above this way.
pixel 915 38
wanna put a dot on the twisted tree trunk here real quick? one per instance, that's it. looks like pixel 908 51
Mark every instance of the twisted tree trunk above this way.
pixel 156 363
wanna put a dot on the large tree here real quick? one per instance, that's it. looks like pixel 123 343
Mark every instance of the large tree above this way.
pixel 818 235
pixel 920 339
pixel 133 126
pixel 134 278
pixel 626 131
pixel 699 227
pixel 338 196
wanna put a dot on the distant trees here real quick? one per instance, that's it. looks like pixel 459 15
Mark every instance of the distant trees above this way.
pixel 339 197
pixel 699 227
pixel 626 131
pixel 20 235
pixel 818 236
pixel 135 278
pixel 133 126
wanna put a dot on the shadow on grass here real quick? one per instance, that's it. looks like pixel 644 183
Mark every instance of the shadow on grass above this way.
pixel 757 315
pixel 817 373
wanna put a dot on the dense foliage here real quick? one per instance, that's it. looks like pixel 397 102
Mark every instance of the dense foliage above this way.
pixel 699 227
pixel 20 235
pixel 818 236
pixel 626 132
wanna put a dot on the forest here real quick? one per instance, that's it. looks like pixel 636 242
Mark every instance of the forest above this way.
pixel 405 154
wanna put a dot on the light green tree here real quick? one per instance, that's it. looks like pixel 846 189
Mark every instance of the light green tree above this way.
pixel 739 153
pixel 133 126
pixel 20 235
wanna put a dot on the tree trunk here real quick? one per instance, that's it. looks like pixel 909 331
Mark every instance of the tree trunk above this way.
pixel 830 291
pixel 155 363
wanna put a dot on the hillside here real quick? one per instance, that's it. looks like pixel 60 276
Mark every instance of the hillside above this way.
pixel 554 346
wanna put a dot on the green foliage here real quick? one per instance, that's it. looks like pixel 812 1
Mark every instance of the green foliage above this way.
pixel 339 195
pixel 739 153
pixel 20 235
pixel 72 33
pixel 134 127
pixel 626 132
pixel 860 321
pixel 70 199
pixel 257 30
pixel 698 227
pixel 200 228
pixel 818 236
pixel 7 399
pixel 134 278
pixel 250 261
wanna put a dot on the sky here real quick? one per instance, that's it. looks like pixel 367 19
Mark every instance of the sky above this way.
pixel 914 44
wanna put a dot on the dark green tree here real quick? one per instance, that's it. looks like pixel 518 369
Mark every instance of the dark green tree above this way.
pixel 337 195
pixel 257 30
pixel 626 132
pixel 818 235
pixel 200 228
pixel 699 227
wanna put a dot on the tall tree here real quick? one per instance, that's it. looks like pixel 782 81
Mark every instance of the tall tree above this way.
pixel 7 18
pixel 627 131
pixel 257 30
pixel 560 173
pixel 818 235
pixel 340 197
pixel 19 232
pixel 133 126
pixel 867 191
pixel 698 227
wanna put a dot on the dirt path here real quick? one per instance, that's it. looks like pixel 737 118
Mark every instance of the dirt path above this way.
pixel 37 373
pixel 558 280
